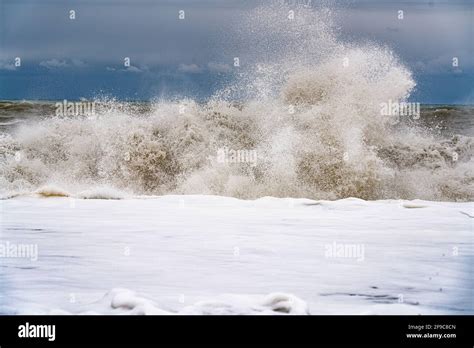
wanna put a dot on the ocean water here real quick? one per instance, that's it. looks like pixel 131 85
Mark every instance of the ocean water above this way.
pixel 141 204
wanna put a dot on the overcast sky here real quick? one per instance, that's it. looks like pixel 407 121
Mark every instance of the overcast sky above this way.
pixel 192 57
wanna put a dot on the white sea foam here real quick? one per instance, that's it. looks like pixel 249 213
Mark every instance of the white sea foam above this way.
pixel 219 255
pixel 102 193
pixel 125 301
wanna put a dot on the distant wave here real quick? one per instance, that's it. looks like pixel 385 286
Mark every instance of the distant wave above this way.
pixel 309 108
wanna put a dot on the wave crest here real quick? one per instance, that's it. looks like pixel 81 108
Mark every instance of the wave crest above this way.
pixel 311 115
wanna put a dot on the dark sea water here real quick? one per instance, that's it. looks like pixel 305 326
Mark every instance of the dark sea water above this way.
pixel 443 119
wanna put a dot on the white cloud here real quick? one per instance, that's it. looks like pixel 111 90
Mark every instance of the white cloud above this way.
pixel 134 69
pixel 219 67
pixel 62 63
pixel 78 63
pixel 190 68
pixel 137 69
pixel 7 66
pixel 131 69
pixel 54 63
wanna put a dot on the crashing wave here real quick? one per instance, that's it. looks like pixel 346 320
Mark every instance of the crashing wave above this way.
pixel 309 109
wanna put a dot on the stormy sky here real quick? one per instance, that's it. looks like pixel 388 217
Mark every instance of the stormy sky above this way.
pixel 84 57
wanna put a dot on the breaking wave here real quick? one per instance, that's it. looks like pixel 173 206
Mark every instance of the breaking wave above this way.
pixel 305 103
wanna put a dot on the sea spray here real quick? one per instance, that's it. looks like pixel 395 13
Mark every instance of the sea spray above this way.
pixel 306 102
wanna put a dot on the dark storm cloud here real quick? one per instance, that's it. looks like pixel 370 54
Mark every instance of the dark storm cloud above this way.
pixel 147 31
pixel 150 33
